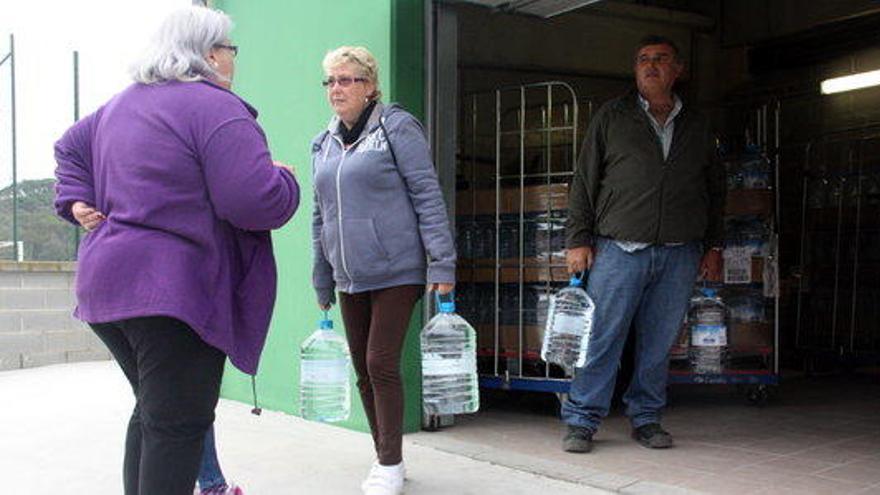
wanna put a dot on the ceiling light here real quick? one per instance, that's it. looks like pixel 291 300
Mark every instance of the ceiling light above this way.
pixel 849 83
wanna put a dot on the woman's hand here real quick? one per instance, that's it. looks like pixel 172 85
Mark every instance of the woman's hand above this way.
pixel 442 289
pixel 285 166
pixel 86 215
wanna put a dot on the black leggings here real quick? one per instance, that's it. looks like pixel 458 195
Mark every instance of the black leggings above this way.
pixel 175 377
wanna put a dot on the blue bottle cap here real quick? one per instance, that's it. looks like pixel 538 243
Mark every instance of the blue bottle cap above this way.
pixel 326 324
pixel 575 282
pixel 709 292
pixel 447 307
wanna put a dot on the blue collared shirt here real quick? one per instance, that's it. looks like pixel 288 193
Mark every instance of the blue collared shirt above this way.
pixel 666 130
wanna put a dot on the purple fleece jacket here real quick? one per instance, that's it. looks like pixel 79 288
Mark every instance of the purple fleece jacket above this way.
pixel 183 173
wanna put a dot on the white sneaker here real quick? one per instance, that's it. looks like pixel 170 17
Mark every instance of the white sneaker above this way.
pixel 384 480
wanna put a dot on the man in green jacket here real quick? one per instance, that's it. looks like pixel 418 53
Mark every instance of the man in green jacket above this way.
pixel 645 218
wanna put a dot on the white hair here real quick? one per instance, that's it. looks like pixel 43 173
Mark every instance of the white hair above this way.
pixel 179 47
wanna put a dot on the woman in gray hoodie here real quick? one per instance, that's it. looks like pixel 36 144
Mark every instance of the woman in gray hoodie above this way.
pixel 380 233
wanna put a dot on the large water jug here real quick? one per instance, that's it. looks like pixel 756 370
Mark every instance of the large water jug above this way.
pixel 569 325
pixel 325 394
pixel 708 316
pixel 449 363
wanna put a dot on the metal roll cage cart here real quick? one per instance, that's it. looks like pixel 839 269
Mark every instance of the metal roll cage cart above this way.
pixel 535 147
pixel 510 233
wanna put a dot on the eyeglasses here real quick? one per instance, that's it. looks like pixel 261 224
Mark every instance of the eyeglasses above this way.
pixel 659 59
pixel 342 81
pixel 232 48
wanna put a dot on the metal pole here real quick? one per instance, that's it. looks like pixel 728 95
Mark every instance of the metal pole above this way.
pixel 498 229
pixel 522 204
pixel 548 157
pixel 14 152
pixel 801 257
pixel 75 118
pixel 855 247
pixel 777 162
pixel 841 184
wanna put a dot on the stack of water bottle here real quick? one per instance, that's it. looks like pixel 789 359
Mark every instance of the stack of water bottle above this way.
pixel 449 363
pixel 707 319
pixel 569 326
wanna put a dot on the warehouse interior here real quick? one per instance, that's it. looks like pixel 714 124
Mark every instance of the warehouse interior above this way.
pixel 796 389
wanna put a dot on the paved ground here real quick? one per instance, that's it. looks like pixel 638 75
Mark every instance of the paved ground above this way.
pixel 61 431
pixel 818 435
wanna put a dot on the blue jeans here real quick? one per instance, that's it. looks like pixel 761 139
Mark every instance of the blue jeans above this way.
pixel 651 288
pixel 210 475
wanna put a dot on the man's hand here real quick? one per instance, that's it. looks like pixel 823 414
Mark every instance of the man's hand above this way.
pixel 579 259
pixel 711 266
pixel 324 307
pixel 441 289
pixel 87 216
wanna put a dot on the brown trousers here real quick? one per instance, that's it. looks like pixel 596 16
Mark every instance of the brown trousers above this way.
pixel 376 323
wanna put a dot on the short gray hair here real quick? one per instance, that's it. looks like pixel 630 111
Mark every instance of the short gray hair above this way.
pixel 656 39
pixel 359 57
pixel 179 47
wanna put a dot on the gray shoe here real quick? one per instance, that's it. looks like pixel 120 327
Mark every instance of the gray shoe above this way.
pixel 652 436
pixel 577 439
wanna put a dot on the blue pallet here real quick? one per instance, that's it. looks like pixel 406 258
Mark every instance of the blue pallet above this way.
pixel 561 386
pixel 725 379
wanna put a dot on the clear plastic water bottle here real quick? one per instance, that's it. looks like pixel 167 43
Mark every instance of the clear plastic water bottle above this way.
pixel 708 317
pixel 325 394
pixel 449 363
pixel 569 325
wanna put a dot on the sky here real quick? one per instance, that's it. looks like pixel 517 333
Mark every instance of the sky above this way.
pixel 109 35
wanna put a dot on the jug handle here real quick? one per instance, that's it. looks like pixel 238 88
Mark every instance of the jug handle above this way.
pixel 438 298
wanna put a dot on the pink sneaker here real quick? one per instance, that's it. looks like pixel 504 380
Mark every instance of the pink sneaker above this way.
pixel 232 489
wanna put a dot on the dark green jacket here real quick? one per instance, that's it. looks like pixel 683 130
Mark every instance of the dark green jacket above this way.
pixel 623 189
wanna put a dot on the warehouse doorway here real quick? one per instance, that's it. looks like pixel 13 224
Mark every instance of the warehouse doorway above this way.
pixel 516 92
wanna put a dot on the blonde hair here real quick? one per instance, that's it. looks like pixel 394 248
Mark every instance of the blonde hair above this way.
pixel 358 56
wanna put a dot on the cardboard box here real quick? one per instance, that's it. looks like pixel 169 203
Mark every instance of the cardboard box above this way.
pixel 757 268
pixel 750 334
pixel 532 338
pixel 485 336
pixel 534 271
pixel 534 199
pixel 508 338
pixel 468 203
pixel 749 202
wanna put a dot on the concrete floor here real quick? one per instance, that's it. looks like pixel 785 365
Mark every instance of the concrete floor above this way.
pixel 819 435
pixel 62 429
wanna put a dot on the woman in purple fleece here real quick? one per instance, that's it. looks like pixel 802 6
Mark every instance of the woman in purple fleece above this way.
pixel 380 233
pixel 174 181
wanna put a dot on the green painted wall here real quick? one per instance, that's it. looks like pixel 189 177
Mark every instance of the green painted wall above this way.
pixel 279 72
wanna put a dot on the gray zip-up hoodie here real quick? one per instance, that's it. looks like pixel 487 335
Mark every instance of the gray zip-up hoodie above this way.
pixel 374 221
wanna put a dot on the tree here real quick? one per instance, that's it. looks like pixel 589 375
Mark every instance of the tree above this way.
pixel 46 237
